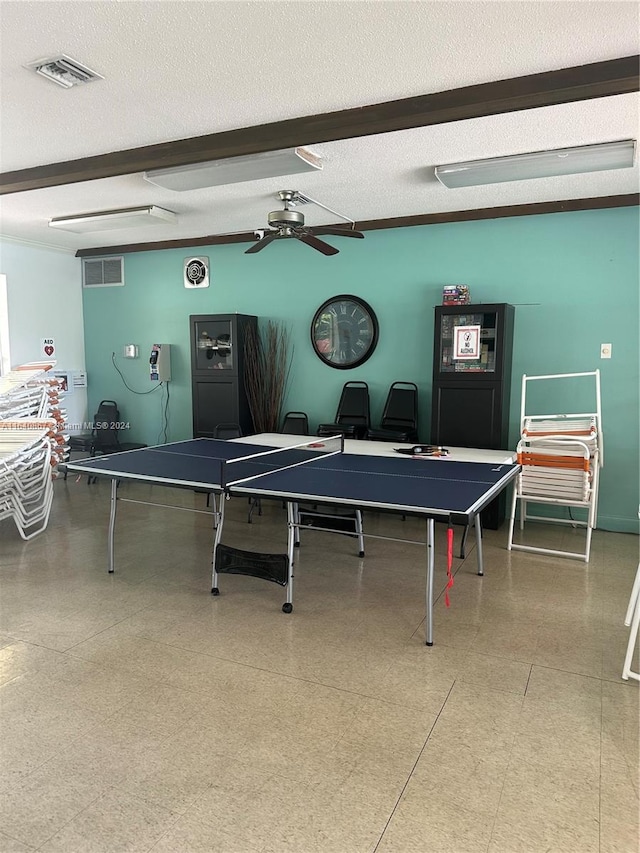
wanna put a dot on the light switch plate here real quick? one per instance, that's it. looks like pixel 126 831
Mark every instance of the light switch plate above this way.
pixel 605 350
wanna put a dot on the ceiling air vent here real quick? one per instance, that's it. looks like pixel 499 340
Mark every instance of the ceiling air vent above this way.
pixel 103 272
pixel 64 71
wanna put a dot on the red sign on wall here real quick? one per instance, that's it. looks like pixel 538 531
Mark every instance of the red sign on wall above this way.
pixel 47 347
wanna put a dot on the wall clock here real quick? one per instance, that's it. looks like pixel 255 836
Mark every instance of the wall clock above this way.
pixel 344 332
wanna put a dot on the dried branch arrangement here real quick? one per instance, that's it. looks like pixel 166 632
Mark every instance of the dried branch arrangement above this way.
pixel 267 367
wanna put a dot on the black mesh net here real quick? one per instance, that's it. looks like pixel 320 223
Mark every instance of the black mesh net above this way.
pixel 268 567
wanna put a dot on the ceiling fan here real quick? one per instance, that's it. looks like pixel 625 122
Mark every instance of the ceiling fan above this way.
pixel 290 223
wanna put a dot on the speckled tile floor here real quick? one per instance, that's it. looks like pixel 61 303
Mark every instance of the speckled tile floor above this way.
pixel 139 713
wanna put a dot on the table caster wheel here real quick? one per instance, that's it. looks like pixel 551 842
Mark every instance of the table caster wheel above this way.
pixel 361 554
pixel 215 591
pixel 287 608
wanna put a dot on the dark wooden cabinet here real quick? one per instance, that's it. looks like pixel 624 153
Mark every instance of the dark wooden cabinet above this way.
pixel 217 372
pixel 472 382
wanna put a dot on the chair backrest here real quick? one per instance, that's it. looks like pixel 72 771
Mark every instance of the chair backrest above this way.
pixel 227 431
pixel 401 406
pixel 105 427
pixel 353 407
pixel 295 423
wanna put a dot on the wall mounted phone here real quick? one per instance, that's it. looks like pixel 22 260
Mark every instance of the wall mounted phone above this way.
pixel 160 363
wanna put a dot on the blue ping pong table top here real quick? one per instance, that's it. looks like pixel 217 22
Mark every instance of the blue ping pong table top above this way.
pixel 194 462
pixel 429 486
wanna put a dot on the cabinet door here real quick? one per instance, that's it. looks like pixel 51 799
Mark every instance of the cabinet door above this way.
pixel 467 415
pixel 472 341
pixel 214 344
pixel 214 403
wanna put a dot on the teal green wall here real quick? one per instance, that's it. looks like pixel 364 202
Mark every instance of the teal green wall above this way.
pixel 573 278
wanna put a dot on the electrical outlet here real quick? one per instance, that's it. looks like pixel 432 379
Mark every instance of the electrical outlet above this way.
pixel 605 350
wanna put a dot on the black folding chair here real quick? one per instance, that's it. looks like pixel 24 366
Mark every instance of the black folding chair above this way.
pixel 353 417
pixel 399 416
pixel 106 432
pixel 295 423
pixel 227 431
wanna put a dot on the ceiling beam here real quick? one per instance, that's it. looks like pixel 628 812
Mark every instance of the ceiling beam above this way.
pixel 533 209
pixel 565 85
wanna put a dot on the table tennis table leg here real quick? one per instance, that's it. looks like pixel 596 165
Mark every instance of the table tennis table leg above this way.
pixel 478 524
pixel 218 524
pixel 112 525
pixel 359 532
pixel 293 538
pixel 296 516
pixel 463 541
pixel 430 566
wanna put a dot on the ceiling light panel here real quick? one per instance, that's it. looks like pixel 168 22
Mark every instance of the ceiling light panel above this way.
pixel 109 220
pixel 538 164
pixel 234 170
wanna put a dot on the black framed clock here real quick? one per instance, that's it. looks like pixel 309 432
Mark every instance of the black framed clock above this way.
pixel 344 331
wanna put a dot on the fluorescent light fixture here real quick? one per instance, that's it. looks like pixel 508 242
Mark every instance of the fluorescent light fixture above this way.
pixel 108 220
pixel 539 164
pixel 235 170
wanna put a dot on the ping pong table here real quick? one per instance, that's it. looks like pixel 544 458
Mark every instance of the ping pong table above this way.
pixel 314 471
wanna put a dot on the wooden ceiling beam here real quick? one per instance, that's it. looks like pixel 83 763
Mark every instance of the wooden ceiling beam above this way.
pixel 537 208
pixel 565 85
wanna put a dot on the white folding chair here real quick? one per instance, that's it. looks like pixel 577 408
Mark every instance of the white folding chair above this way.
pixel 632 618
pixel 560 456
pixel 563 472
pixel 26 488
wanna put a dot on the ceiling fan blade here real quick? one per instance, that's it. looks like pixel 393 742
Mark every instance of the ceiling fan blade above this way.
pixel 320 245
pixel 338 232
pixel 259 246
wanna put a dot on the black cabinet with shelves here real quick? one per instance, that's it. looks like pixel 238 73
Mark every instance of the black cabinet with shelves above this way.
pixel 472 382
pixel 217 372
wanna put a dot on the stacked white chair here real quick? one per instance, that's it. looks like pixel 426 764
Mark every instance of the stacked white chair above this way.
pixel 26 487
pixel 560 457
pixel 30 393
pixel 32 442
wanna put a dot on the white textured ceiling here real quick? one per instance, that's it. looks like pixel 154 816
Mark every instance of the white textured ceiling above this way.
pixel 175 70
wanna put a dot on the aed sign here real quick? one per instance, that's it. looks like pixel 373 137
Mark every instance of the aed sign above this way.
pixel 466 344
pixel 47 347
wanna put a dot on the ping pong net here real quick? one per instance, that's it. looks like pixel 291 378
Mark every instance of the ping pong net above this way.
pixel 245 469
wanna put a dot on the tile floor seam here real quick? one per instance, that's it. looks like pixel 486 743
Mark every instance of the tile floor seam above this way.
pixel 103 631
pixel 165 739
pixel 66 823
pixel 105 789
pixel 508 765
pixel 411 772
pixel 19 840
pixel 300 680
pixel 570 672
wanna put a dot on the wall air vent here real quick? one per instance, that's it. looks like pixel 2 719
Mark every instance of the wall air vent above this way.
pixel 64 71
pixel 103 272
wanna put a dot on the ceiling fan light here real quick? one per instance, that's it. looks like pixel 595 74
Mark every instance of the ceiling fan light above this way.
pixel 234 170
pixel 538 164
